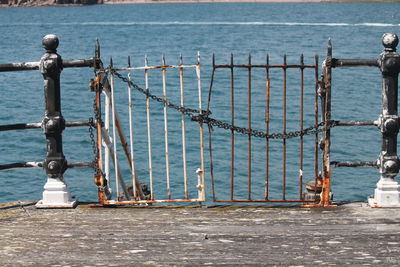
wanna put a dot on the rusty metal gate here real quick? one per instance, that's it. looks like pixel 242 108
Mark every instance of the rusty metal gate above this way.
pixel 253 99
pixel 185 184
pixel 316 115
pixel 263 132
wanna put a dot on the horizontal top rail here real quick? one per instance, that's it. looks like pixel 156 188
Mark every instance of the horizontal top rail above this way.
pixel 155 67
pixel 264 66
pixel 69 63
pixel 337 63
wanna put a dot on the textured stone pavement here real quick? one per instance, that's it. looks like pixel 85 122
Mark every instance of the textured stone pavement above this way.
pixel 351 234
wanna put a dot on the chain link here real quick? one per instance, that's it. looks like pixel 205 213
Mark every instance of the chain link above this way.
pixel 96 112
pixel 202 116
pixel 184 110
pixel 260 134
pixel 92 125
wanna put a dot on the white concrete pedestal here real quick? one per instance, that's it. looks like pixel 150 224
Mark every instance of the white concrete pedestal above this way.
pixel 56 195
pixel 387 194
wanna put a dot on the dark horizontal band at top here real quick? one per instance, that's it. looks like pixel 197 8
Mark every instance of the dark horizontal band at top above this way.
pixel 21 66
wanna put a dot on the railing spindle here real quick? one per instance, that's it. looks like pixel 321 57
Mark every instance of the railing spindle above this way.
pixel 115 156
pixel 107 102
pixel 210 132
pixel 133 169
pixel 201 127
pixel 164 82
pixel 326 184
pixel 249 127
pixel 284 130
pixel 316 146
pixel 301 123
pixel 232 132
pixel 267 93
pixel 181 82
pixel 146 73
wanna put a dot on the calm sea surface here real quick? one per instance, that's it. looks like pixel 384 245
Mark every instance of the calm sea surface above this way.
pixel 171 29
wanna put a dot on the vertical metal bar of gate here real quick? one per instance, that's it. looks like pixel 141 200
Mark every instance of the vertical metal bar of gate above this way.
pixel 184 162
pixel 316 140
pixel 327 78
pixel 131 143
pixel 284 130
pixel 283 135
pixel 301 124
pixel 146 73
pixel 98 179
pixel 185 177
pixel 249 135
pixel 232 132
pixel 267 106
pixel 200 186
pixel 107 101
pixel 114 129
pixel 102 181
pixel 210 130
pixel 164 85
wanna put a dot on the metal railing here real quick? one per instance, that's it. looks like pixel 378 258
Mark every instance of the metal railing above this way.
pixel 387 191
pixel 270 133
pixel 55 164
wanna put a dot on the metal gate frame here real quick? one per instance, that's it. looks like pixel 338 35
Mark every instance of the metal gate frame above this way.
pixel 387 163
pixel 104 83
pixel 322 89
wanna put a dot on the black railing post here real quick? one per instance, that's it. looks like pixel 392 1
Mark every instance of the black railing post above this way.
pixel 387 193
pixel 56 193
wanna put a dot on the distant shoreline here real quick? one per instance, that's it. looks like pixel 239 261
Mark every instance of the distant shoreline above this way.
pixel 236 1
pixel 206 1
pixel 45 3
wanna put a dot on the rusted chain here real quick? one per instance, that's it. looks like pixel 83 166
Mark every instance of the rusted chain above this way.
pixel 96 152
pixel 202 116
pixel 182 109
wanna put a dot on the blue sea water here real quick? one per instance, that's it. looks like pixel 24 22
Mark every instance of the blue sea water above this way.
pixel 173 29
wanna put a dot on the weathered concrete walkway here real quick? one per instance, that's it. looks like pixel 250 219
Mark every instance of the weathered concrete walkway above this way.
pixel 249 236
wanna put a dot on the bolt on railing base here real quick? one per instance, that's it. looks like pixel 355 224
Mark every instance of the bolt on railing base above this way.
pixel 387 194
pixel 56 195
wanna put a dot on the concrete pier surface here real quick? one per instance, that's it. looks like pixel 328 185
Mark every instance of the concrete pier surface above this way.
pixel 351 234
